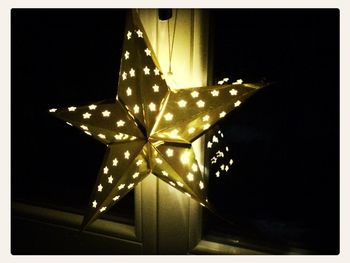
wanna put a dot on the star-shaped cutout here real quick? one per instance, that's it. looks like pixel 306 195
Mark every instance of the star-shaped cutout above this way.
pixel 126 55
pixel 156 136
pixel 132 72
pixel 139 33
pixel 86 115
pixel 129 34
pixel 156 71
pixel 148 52
pixel 106 113
pixel 146 70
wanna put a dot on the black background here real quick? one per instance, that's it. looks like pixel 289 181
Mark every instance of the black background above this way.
pixel 284 188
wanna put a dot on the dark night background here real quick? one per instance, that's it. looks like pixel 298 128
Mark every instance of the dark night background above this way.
pixel 282 192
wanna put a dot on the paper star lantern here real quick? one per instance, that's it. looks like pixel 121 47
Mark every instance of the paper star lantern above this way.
pixel 149 128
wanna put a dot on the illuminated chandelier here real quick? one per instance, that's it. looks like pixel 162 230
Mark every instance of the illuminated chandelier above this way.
pixel 150 128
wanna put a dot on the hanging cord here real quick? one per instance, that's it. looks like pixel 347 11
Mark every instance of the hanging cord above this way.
pixel 171 46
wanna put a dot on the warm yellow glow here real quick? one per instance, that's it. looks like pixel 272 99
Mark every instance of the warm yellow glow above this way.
pixel 94 204
pixel 168 116
pixel 182 103
pixel 69 123
pixel 139 162
pixel 120 187
pixel 188 194
pixel 130 185
pixel 115 162
pixel 84 127
pixel 127 155
pixel 231 161
pixel 103 209
pixel 165 173
pixel 72 108
pixel 116 197
pixel 105 170
pixel 172 183
pixel 88 133
pixel 217 174
pixel 215 139
pixel 52 110
pixel 99 188
pixel 169 152
pixel 135 175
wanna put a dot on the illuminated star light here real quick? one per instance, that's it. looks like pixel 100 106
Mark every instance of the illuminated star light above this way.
pixel 72 108
pixel 156 71
pixel 155 88
pixel 92 107
pixel 132 72
pixel 129 34
pixel 106 113
pixel 148 52
pixel 86 115
pixel 126 55
pixel 139 33
pixel 146 70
